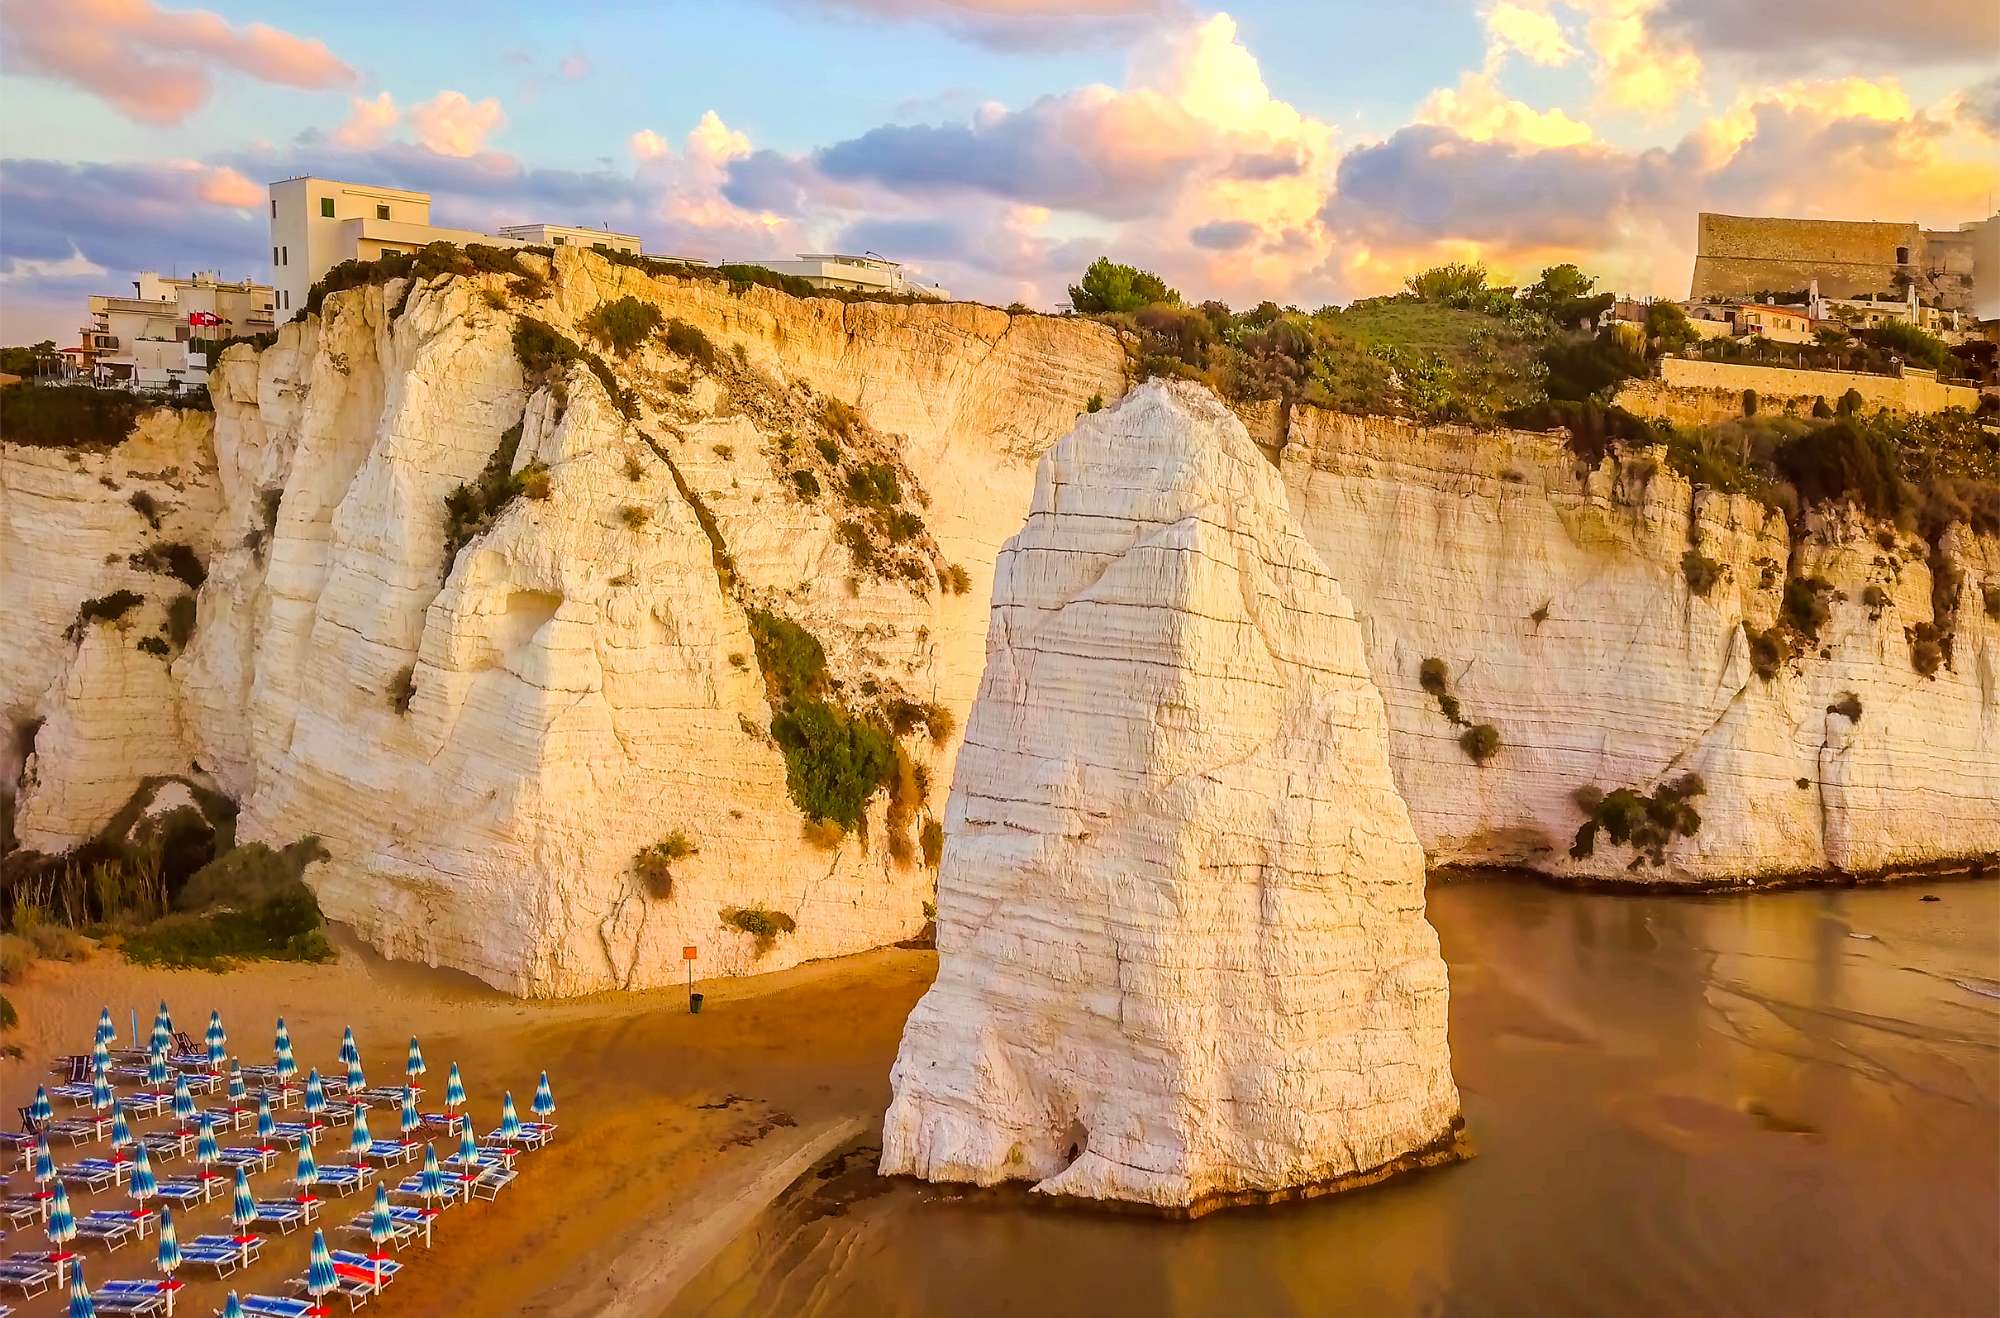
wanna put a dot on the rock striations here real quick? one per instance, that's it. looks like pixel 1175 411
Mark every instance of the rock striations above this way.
pixel 1183 958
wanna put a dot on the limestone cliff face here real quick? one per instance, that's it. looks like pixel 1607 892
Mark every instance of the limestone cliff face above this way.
pixel 1182 950
pixel 1561 609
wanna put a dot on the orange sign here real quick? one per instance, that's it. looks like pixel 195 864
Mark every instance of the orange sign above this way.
pixel 687 953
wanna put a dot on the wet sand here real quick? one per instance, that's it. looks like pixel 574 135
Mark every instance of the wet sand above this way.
pixel 1718 1105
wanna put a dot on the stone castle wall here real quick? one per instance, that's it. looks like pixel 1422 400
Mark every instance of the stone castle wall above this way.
pixel 1738 255
pixel 1692 392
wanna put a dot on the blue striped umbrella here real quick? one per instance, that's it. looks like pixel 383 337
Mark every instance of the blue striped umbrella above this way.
pixel 106 1031
pixel 545 1099
pixel 381 1226
pixel 348 1051
pixel 430 1184
pixel 408 1120
pixel 121 1134
pixel 218 1041
pixel 162 1037
pixel 232 1307
pixel 238 1091
pixel 510 1120
pixel 315 1100
pixel 61 1225
pixel 266 1127
pixel 168 1259
pixel 100 1055
pixel 356 1082
pixel 80 1303
pixel 454 1091
pixel 41 1110
pixel 281 1051
pixel 156 1068
pixel 101 1097
pixel 319 1272
pixel 206 1154
pixel 183 1099
pixel 306 1175
pixel 414 1065
pixel 45 1164
pixel 359 1141
pixel 242 1206
pixel 467 1157
pixel 143 1186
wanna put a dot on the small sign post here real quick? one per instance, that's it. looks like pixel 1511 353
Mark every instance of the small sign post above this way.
pixel 688 955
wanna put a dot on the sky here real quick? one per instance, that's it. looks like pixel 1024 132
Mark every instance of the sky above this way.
pixel 1302 152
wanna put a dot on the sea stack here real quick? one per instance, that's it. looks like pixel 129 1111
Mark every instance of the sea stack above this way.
pixel 1182 953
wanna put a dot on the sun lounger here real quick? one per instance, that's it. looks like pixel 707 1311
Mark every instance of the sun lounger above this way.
pixel 344 1179
pixel 248 1158
pixel 386 1095
pixel 139 1297
pixel 75 1095
pixel 274 1306
pixel 140 1219
pixel 291 1134
pixel 248 1246
pixel 187 1191
pixel 227 1118
pixel 30 1279
pixel 76 1130
pixel 96 1173
pixel 165 1145
pixel 491 1181
pixel 534 1134
pixel 225 1258
pixel 392 1153
pixel 400 1232
pixel 106 1231
pixel 148 1103
pixel 203 1081
pixel 129 1072
pixel 24 1210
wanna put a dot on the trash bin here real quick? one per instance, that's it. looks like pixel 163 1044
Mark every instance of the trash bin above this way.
pixel 694 1004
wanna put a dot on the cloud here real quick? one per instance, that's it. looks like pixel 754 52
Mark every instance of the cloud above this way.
pixel 1979 106
pixel 1478 110
pixel 1532 32
pixel 223 186
pixel 1222 235
pixel 152 64
pixel 1868 34
pixel 648 145
pixel 74 266
pixel 452 125
pixel 574 67
pixel 1017 24
pixel 368 122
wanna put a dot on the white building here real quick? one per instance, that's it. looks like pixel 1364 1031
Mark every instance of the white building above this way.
pixel 160 337
pixel 861 274
pixel 317 223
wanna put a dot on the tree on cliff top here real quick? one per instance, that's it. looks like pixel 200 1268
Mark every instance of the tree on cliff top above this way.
pixel 1111 287
pixel 1564 295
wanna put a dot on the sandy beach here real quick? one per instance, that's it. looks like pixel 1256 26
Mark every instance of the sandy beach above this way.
pixel 675 1130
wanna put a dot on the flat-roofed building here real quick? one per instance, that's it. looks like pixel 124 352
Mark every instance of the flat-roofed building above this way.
pixel 572 235
pixel 160 337
pixel 317 223
pixel 861 274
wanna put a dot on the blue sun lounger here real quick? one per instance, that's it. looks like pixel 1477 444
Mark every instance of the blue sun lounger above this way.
pixel 405 1224
pixel 75 1095
pixel 249 1158
pixel 166 1145
pixel 148 1103
pixel 275 1306
pixel 24 1210
pixel 227 1118
pixel 140 1297
pixel 31 1279
pixel 392 1152
pixel 97 1173
pixel 344 1179
pixel 288 1215
pixel 187 1191
pixel 247 1246
pixel 112 1232
pixel 291 1134
pixel 225 1258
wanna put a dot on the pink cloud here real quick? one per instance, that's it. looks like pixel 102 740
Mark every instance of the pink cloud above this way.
pixel 452 125
pixel 222 186
pixel 154 64
pixel 368 122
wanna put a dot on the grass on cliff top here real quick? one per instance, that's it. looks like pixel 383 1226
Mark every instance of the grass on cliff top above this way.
pixel 74 416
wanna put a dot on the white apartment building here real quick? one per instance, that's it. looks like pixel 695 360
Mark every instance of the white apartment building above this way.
pixel 862 274
pixel 571 235
pixel 159 338
pixel 317 223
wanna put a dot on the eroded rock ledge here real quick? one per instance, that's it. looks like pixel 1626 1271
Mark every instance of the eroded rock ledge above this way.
pixel 1183 957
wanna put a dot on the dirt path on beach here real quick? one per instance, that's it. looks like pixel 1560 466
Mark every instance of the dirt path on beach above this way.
pixel 672 1126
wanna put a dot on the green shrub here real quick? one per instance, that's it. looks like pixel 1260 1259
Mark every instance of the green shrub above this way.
pixel 833 761
pixel 1848 706
pixel 181 620
pixel 1701 571
pixel 542 349
pixel 1749 402
pixel 764 924
pixel 653 864
pixel 147 507
pixel 471 509
pixel 1821 411
pixel 1648 824
pixel 1108 286
pixel 1851 403
pixel 931 839
pixel 1096 403
pixel 860 546
pixel 792 659
pixel 1768 650
pixel 494 298
pixel 533 481
pixel 873 484
pixel 69 416
pixel 956 580
pixel 1927 648
pixel 1805 608
pixel 1432 676
pixel 688 341
pixel 1480 742
pixel 16 955
pixel 840 419
pixel 1876 599
pixel 623 325
pixel 9 1018
pixel 175 560
pixel 805 483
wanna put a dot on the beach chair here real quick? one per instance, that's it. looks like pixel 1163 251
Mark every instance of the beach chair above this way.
pixel 393 1153
pixel 74 1068
pixel 248 1158
pixel 166 1145
pixel 227 1118
pixel 224 1258
pixel 96 1174
pixel 491 1181
pixel 184 1043
pixel 203 1081
pixel 110 1232
pixel 344 1179
pixel 24 1210
pixel 74 1129
pixel 274 1306
pixel 291 1134
pixel 129 1071
pixel 534 1134
pixel 287 1215
pixel 139 1297
pixel 249 1247
pixel 74 1095
pixel 140 1219
pixel 148 1103
pixel 188 1191
pixel 31 1279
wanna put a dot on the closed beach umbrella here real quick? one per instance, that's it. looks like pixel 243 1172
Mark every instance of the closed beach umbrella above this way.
pixel 408 1120
pixel 430 1184
pixel 61 1225
pixel 168 1258
pixel 545 1099
pixel 143 1186
pixel 414 1065
pixel 45 1166
pixel 122 1138
pixel 266 1127
pixel 306 1175
pixel 359 1141
pixel 156 1068
pixel 510 1120
pixel 101 1096
pixel 183 1099
pixel 238 1091
pixel 349 1053
pixel 454 1092
pixel 80 1303
pixel 281 1050
pixel 41 1109
pixel 356 1082
pixel 320 1280
pixel 100 1056
pixel 242 1207
pixel 106 1031
pixel 206 1154
pixel 380 1228
pixel 162 1037
pixel 467 1157
pixel 218 1041
pixel 232 1307
pixel 315 1099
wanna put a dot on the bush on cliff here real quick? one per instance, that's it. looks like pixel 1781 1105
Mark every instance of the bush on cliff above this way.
pixel 249 903
pixel 834 761
pixel 69 416
pixel 1647 824
pixel 623 325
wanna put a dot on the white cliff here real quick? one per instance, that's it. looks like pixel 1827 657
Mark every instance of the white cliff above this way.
pixel 1182 950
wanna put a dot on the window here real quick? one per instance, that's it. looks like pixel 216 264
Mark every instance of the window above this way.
pixel 286 253
pixel 1902 256
pixel 381 212
pixel 560 240
pixel 274 208
pixel 274 256
pixel 326 208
